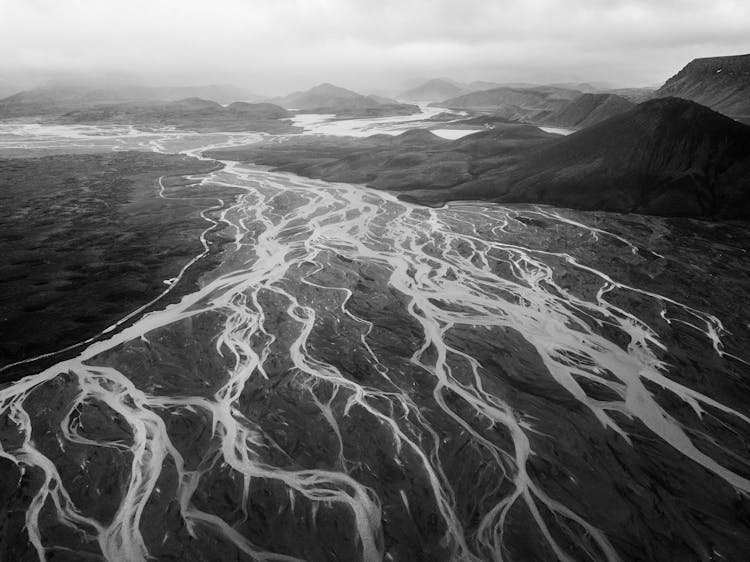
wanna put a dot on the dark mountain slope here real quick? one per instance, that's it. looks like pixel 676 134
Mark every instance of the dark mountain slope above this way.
pixel 589 109
pixel 721 83
pixel 667 156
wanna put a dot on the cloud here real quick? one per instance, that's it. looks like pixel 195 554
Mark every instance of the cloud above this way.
pixel 280 44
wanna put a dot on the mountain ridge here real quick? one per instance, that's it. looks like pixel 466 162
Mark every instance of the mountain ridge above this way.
pixel 523 104
pixel 721 83
pixel 589 109
pixel 190 113
pixel 667 156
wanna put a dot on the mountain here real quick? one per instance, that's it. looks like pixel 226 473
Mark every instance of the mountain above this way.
pixel 56 100
pixel 532 104
pixel 53 100
pixel 439 89
pixel 432 90
pixel 382 99
pixel 480 85
pixel 8 88
pixel 327 98
pixel 666 156
pixel 321 96
pixel 191 113
pixel 721 83
pixel 588 109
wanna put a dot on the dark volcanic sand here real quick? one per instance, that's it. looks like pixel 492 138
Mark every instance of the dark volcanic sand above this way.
pixel 87 239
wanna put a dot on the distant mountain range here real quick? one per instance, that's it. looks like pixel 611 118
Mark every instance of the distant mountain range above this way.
pixel 521 104
pixel 330 99
pixel 439 89
pixel 8 88
pixel 442 89
pixel 669 155
pixel 166 105
pixel 61 99
pixel 721 83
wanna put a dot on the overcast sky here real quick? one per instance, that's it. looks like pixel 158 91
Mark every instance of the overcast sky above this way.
pixel 278 45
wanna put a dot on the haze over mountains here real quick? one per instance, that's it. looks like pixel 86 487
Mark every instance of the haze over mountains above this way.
pixel 514 103
pixel 62 98
pixel 191 113
pixel 327 98
pixel 667 156
pixel 721 83
pixel 664 156
pixel 433 90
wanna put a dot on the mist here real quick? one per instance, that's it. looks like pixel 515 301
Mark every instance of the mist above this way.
pixel 274 47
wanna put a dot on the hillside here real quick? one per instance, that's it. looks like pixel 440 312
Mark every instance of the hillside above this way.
pixel 721 83
pixel 415 159
pixel 531 104
pixel 327 98
pixel 432 90
pixel 191 113
pixel 588 109
pixel 95 241
pixel 54 101
pixel 666 156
